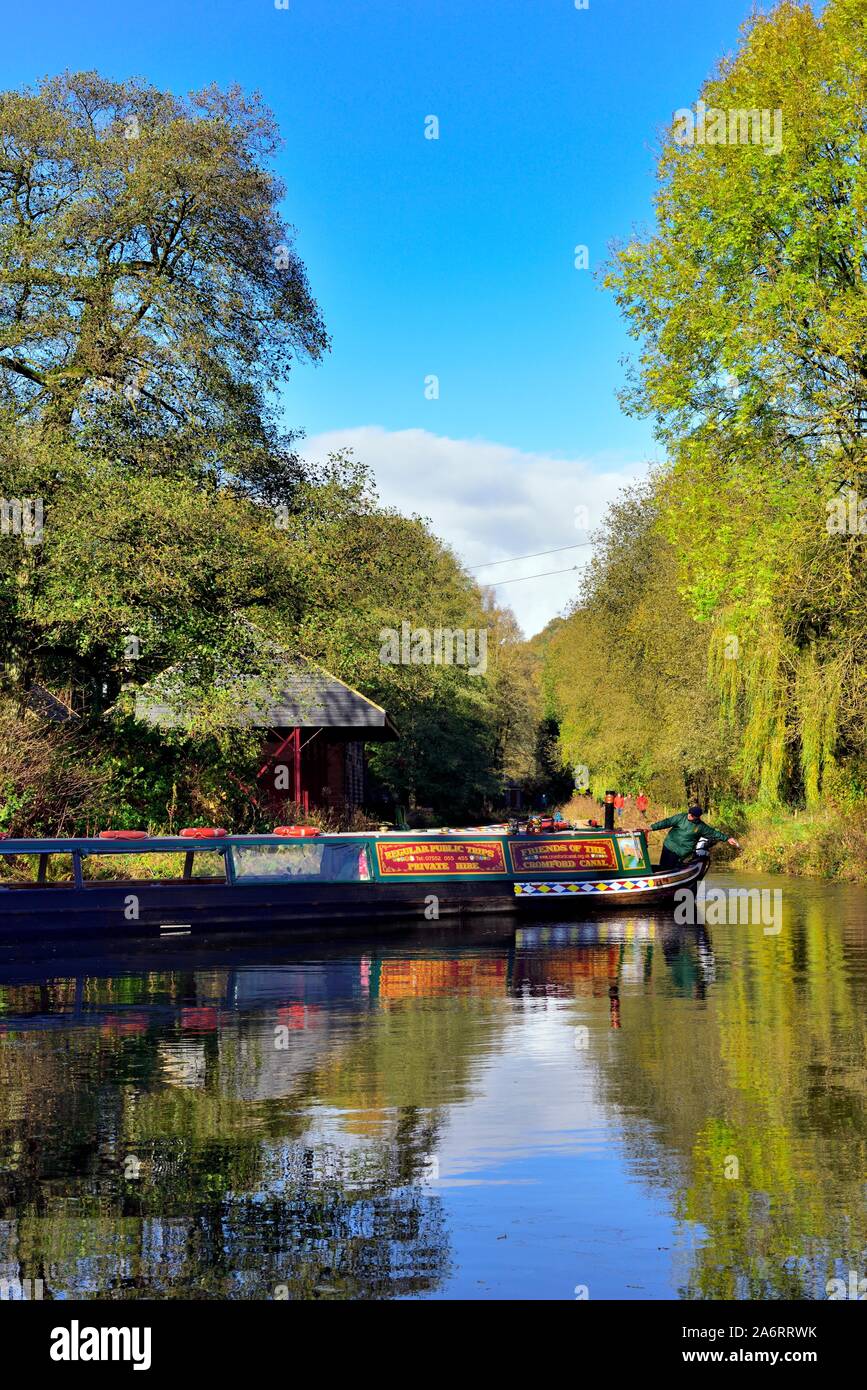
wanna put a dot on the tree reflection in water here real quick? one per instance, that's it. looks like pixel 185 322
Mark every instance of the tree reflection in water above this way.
pixel 156 1140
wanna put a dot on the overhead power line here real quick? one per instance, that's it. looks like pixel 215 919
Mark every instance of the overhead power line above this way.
pixel 535 556
pixel 498 583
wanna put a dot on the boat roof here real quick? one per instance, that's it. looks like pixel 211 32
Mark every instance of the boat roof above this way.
pixel 156 843
pixel 174 843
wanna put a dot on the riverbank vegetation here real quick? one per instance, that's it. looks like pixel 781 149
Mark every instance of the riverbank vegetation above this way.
pixel 719 645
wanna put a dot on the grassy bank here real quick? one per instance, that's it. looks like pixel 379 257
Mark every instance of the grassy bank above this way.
pixel 831 843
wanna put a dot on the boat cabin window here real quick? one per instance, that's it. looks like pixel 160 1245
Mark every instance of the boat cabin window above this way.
pixel 301 861
pixel 36 870
pixel 632 851
pixel 154 865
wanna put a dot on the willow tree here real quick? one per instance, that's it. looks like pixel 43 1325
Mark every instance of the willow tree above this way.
pixel 749 302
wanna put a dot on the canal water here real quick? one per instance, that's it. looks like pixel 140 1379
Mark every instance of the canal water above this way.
pixel 618 1108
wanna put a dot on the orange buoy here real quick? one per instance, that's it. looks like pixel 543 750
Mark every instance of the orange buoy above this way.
pixel 202 832
pixel 295 830
pixel 123 834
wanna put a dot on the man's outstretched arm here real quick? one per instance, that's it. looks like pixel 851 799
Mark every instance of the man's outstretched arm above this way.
pixel 719 837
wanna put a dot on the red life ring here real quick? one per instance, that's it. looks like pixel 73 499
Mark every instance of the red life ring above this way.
pixel 295 830
pixel 123 834
pixel 202 832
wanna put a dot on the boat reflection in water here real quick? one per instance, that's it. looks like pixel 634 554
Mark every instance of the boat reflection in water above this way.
pixel 611 951
pixel 442 1114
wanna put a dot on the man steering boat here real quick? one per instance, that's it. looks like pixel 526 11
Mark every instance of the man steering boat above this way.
pixel 684 830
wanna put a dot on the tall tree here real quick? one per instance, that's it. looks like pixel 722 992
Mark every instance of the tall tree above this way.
pixel 749 303
pixel 149 287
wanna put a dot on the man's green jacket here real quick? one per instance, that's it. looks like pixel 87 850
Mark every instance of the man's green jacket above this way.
pixel 684 833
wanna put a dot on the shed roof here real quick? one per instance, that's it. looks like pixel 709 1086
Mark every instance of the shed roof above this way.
pixel 306 698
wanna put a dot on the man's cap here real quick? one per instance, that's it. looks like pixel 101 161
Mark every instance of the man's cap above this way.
pixel 696 811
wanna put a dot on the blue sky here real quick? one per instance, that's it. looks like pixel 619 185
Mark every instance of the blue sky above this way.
pixel 449 257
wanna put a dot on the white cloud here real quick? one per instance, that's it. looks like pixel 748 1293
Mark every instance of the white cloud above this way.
pixel 491 502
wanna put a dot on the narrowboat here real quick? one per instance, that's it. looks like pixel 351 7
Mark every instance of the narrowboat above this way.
pixel 203 880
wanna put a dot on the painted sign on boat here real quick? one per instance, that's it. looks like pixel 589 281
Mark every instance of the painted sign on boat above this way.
pixel 414 858
pixel 562 856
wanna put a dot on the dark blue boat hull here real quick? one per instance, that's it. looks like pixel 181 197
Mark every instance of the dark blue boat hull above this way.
pixel 143 908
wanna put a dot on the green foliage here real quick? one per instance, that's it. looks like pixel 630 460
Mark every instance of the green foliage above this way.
pixel 151 302
pixel 151 291
pixel 151 579
pixel 626 672
pixel 748 301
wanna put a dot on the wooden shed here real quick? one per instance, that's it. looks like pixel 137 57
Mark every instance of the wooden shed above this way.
pixel 315 729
